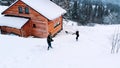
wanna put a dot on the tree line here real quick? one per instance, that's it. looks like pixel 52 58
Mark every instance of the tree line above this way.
pixel 88 11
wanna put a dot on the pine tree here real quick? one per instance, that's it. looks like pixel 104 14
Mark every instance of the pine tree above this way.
pixel 74 11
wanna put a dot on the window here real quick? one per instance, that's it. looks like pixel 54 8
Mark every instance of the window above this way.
pixel 56 24
pixel 20 9
pixel 26 10
pixel 34 26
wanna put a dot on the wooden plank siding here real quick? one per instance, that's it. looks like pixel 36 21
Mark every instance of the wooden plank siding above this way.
pixel 5 29
pixel 33 14
pixel 52 29
pixel 26 29
pixel 40 29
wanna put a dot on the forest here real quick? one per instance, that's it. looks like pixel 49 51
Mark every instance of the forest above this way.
pixel 90 11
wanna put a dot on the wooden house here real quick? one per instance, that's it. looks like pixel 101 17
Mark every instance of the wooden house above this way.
pixel 32 18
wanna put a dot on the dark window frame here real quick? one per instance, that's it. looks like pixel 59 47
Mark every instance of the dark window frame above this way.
pixel 27 10
pixel 34 25
pixel 20 9
pixel 56 24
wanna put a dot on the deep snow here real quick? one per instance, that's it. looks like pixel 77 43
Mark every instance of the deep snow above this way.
pixel 93 50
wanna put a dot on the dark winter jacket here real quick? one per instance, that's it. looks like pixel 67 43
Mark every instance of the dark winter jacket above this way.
pixel 77 33
pixel 49 39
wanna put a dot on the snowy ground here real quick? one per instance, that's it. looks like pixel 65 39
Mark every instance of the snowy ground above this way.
pixel 93 50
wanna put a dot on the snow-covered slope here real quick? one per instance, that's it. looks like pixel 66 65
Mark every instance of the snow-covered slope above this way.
pixel 93 50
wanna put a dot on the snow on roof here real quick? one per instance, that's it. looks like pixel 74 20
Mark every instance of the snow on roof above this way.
pixel 12 21
pixel 45 7
pixel 2 8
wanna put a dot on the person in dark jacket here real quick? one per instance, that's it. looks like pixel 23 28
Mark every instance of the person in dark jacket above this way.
pixel 77 35
pixel 49 40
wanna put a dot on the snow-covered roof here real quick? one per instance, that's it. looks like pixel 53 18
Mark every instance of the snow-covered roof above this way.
pixel 14 22
pixel 2 8
pixel 46 7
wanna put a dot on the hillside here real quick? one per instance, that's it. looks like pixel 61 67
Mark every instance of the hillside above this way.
pixel 93 50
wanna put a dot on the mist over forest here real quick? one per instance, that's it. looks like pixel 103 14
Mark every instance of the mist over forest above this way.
pixel 91 11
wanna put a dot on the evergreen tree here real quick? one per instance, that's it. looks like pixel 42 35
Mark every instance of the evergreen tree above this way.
pixel 74 11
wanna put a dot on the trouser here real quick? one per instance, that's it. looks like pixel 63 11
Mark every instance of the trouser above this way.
pixel 77 38
pixel 49 45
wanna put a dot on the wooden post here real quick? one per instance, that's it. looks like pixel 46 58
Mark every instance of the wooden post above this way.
pixel 21 33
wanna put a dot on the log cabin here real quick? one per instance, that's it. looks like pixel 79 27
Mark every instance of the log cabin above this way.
pixel 35 18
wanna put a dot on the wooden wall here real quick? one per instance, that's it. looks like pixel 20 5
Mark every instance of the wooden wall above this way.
pixel 25 32
pixel 51 26
pixel 5 29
